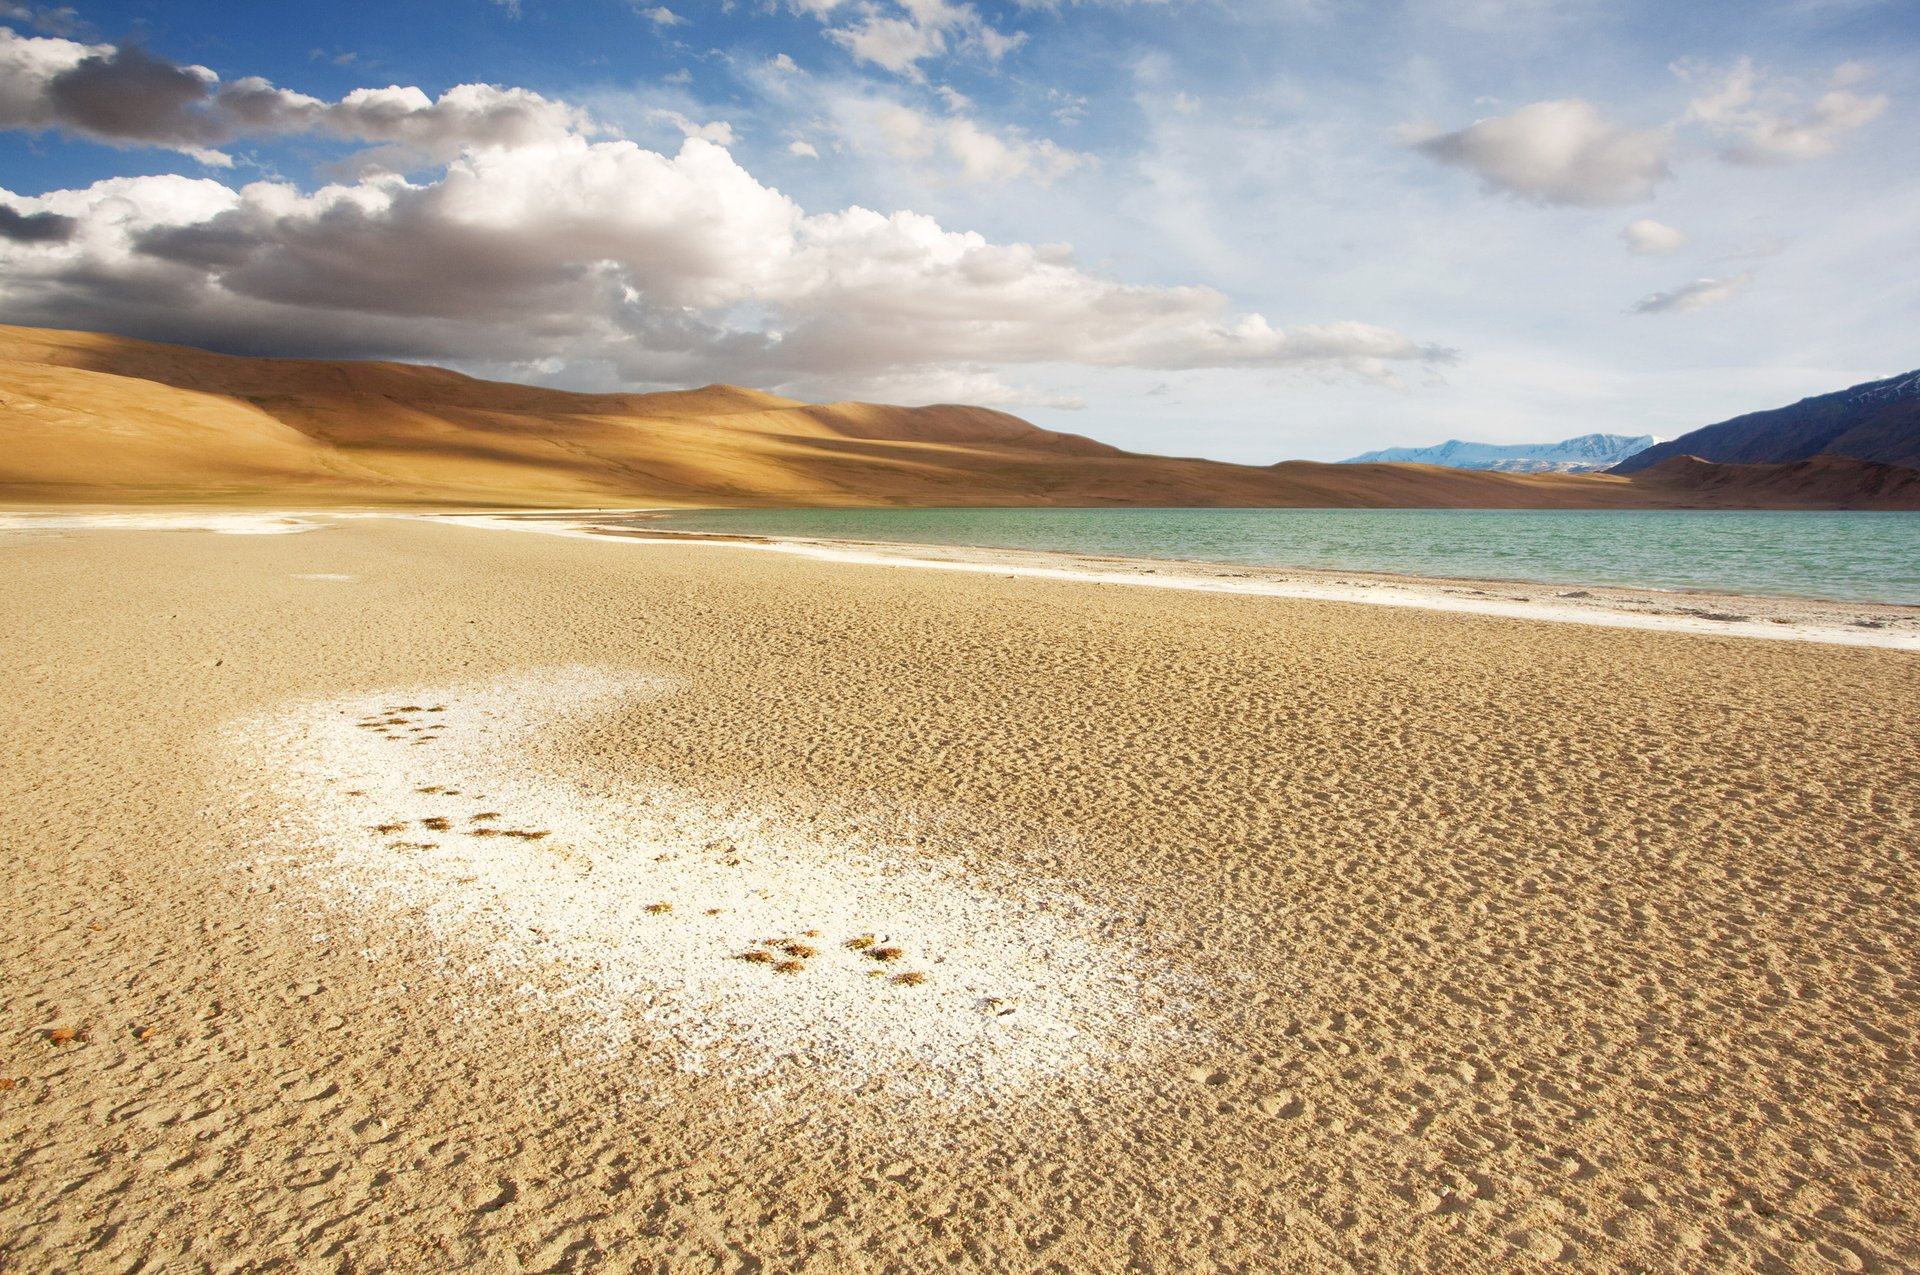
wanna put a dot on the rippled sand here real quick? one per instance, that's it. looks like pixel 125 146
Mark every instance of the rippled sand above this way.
pixel 1257 933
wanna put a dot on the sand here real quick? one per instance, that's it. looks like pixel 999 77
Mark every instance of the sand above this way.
pixel 1259 932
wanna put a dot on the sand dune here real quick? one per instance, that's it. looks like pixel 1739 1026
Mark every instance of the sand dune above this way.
pixel 88 418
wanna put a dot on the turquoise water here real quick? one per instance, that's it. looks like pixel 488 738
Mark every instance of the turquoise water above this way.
pixel 1862 557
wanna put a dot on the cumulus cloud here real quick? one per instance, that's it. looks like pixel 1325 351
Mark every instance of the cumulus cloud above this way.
pixel 804 149
pixel 661 16
pixel 1697 295
pixel 1559 152
pixel 674 269
pixel 44 227
pixel 1649 236
pixel 126 96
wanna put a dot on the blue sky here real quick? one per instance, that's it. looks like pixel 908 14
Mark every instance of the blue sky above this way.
pixel 1298 228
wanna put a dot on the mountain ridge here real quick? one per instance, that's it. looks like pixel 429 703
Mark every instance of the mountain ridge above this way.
pixel 1876 421
pixel 1586 453
pixel 93 419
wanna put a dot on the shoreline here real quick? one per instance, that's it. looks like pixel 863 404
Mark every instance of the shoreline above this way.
pixel 1885 625
pixel 1880 625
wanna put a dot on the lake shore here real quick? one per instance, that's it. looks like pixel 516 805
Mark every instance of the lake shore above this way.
pixel 1890 625
pixel 381 894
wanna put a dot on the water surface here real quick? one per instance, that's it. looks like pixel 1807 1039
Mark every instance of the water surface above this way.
pixel 1859 557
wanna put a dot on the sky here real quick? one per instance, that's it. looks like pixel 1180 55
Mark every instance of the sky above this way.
pixel 1252 231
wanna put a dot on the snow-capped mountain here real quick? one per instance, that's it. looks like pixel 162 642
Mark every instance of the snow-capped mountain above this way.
pixel 1584 454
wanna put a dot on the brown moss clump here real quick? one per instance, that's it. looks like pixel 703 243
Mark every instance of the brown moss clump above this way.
pixel 862 943
pixel 886 953
pixel 387 829
pixel 438 823
pixel 484 814
pixel 800 950
pixel 790 967
pixel 659 909
pixel 911 978
pixel 757 957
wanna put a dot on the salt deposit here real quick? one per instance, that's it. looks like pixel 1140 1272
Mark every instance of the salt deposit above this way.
pixel 625 906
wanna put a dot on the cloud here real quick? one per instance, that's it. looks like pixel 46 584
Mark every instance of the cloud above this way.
pixel 1697 295
pixel 982 156
pixel 1649 236
pixel 719 132
pixel 663 17
pixel 1767 124
pixel 899 37
pixel 804 149
pixel 667 269
pixel 62 21
pixel 45 227
pixel 970 151
pixel 1559 152
pixel 977 386
pixel 126 96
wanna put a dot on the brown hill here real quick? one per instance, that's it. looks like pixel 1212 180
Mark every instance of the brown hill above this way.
pixel 1819 482
pixel 88 418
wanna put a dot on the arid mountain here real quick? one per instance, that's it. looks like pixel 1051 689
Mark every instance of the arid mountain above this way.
pixel 1877 421
pixel 87 418
pixel 1820 482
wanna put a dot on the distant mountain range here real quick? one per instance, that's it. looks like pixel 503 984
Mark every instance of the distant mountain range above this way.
pixel 1586 454
pixel 1878 421
pixel 87 418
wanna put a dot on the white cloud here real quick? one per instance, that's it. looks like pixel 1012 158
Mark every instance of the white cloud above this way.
pixel 900 37
pixel 976 386
pixel 675 269
pixel 1559 152
pixel 1766 123
pixel 663 17
pixel 1649 236
pixel 61 21
pixel 975 152
pixel 1697 295
pixel 719 132
pixel 784 65
pixel 803 149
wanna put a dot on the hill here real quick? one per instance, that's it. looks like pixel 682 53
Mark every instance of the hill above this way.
pixel 1588 453
pixel 1878 421
pixel 92 419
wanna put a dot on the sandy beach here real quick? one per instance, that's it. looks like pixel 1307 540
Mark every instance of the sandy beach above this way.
pixel 395 894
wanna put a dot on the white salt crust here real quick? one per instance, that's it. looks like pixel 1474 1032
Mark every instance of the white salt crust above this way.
pixel 1019 985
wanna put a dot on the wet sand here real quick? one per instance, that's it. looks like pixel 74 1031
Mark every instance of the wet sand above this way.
pixel 397 883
